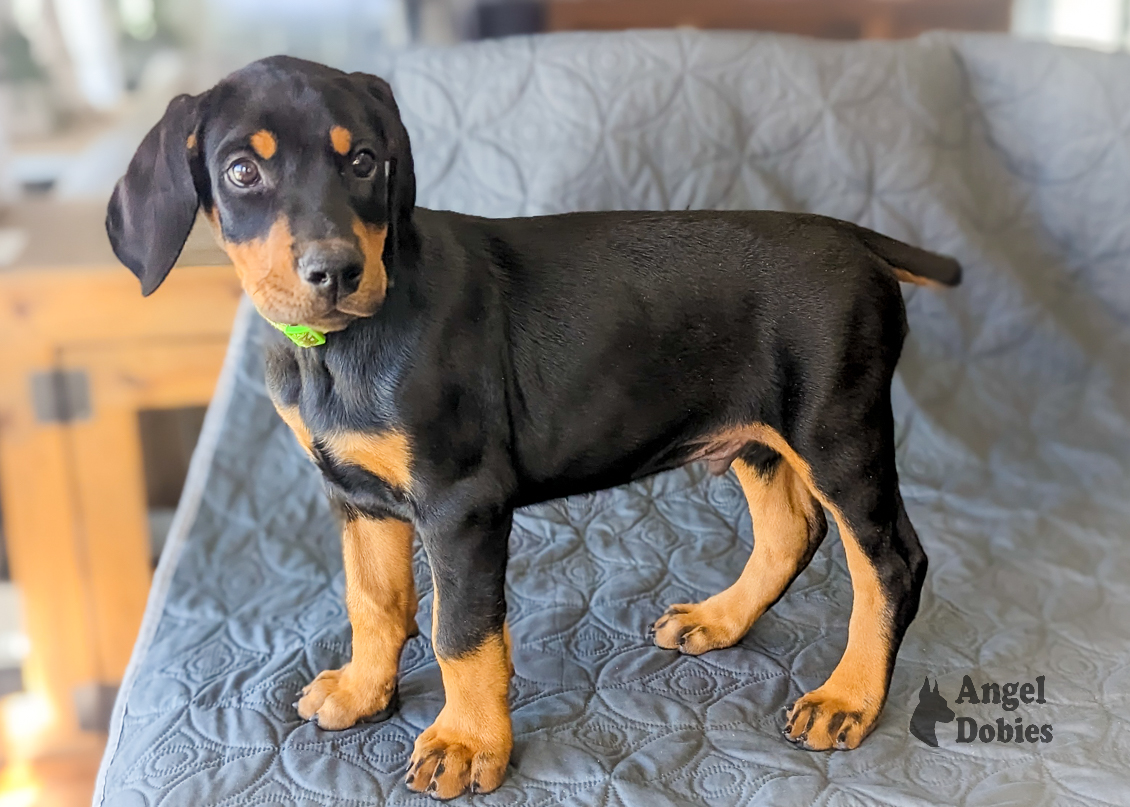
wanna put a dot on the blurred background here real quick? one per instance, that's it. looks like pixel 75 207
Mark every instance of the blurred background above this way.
pixel 102 398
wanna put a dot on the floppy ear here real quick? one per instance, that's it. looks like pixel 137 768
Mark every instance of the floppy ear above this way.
pixel 401 171
pixel 154 205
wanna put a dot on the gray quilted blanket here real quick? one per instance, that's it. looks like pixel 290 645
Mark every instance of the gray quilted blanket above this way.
pixel 1012 400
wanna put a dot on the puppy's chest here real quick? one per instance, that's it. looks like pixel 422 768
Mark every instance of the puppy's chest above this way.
pixel 350 434
pixel 346 456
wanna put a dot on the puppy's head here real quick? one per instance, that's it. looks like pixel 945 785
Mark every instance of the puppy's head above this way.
pixel 306 175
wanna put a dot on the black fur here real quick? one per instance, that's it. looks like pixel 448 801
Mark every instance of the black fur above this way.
pixel 154 206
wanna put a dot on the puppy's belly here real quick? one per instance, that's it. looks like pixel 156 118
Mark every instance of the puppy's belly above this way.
pixel 587 474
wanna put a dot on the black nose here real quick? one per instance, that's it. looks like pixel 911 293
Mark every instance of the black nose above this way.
pixel 334 269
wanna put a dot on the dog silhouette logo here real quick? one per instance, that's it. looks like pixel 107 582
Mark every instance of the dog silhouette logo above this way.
pixel 932 708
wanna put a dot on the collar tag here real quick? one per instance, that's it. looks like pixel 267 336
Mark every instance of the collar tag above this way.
pixel 301 335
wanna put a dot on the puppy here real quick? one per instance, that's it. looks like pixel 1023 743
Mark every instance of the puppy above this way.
pixel 443 370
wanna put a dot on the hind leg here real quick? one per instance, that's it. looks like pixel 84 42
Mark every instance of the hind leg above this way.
pixel 857 482
pixel 788 526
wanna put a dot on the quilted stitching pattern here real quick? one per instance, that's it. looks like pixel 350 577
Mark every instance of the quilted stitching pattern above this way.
pixel 1013 407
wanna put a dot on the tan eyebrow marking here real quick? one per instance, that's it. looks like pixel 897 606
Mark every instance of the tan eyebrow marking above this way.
pixel 342 139
pixel 191 142
pixel 264 144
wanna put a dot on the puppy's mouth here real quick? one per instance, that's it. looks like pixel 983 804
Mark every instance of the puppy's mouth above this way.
pixel 358 306
pixel 325 318
pixel 329 322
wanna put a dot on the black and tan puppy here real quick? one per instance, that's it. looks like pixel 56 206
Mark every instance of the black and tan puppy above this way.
pixel 471 366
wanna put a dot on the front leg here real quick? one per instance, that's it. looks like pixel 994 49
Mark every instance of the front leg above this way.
pixel 380 595
pixel 468 746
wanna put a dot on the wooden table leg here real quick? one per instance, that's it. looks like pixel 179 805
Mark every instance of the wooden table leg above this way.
pixel 40 526
pixel 73 492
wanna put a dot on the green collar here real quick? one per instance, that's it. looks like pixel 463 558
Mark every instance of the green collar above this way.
pixel 300 334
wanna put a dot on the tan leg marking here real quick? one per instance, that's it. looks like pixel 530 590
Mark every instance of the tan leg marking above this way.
pixel 383 454
pixel 842 711
pixel 468 746
pixel 341 139
pixel 264 144
pixel 381 597
pixel 782 510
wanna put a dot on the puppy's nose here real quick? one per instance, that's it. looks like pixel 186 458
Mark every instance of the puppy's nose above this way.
pixel 334 269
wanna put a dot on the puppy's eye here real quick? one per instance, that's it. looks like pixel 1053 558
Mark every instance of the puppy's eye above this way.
pixel 364 163
pixel 244 173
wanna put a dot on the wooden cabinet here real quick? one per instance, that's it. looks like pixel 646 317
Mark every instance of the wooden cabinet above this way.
pixel 81 354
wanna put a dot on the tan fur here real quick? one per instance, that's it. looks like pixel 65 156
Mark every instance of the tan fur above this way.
pixel 857 687
pixel 471 737
pixel 381 599
pixel 264 144
pixel 387 455
pixel 781 508
pixel 380 595
pixel 341 139
pixel 190 144
pixel 374 281
pixel 907 277
pixel 265 267
pixel 291 418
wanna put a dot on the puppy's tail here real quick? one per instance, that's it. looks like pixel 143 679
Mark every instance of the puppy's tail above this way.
pixel 911 264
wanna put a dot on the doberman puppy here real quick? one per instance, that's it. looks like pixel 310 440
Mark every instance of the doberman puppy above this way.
pixel 446 369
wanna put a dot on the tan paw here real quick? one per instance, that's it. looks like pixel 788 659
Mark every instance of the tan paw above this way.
pixel 337 699
pixel 821 721
pixel 694 629
pixel 446 762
